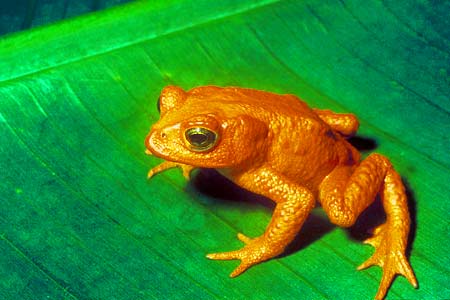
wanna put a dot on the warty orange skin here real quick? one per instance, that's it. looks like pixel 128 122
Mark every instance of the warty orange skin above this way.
pixel 276 146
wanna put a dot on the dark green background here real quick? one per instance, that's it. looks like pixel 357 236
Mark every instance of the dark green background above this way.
pixel 18 15
pixel 78 218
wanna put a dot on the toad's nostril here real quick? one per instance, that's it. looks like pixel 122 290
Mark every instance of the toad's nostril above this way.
pixel 163 135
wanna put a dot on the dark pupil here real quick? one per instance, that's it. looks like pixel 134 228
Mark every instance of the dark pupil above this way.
pixel 198 139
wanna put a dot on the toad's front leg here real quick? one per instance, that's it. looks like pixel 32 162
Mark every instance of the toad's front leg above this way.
pixel 293 206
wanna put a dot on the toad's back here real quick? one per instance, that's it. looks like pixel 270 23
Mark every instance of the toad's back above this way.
pixel 259 104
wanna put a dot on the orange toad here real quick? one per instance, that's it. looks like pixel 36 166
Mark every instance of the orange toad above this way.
pixel 278 147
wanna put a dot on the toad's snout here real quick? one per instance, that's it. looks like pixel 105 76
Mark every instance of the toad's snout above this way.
pixel 155 141
pixel 160 141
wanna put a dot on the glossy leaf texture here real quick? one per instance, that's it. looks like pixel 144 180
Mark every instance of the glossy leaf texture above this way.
pixel 78 218
pixel 16 15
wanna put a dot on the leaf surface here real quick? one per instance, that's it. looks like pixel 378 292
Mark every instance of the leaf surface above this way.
pixel 16 15
pixel 79 220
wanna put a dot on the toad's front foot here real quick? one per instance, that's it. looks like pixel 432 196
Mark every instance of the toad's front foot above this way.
pixel 186 169
pixel 255 251
pixel 390 256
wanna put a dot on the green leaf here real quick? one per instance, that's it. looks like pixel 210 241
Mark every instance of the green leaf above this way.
pixel 79 220
pixel 18 15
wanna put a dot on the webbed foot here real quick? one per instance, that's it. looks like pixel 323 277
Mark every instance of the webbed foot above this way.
pixel 390 256
pixel 255 251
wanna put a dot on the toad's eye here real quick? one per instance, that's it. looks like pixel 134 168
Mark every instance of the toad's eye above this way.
pixel 201 139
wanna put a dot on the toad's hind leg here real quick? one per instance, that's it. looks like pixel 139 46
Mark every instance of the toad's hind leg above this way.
pixel 347 191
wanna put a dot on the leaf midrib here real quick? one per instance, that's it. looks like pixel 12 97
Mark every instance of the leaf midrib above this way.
pixel 99 48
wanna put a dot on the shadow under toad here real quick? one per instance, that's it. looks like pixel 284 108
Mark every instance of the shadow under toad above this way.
pixel 363 143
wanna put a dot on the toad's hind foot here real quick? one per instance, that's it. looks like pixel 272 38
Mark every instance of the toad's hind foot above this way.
pixel 389 255
pixel 255 251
